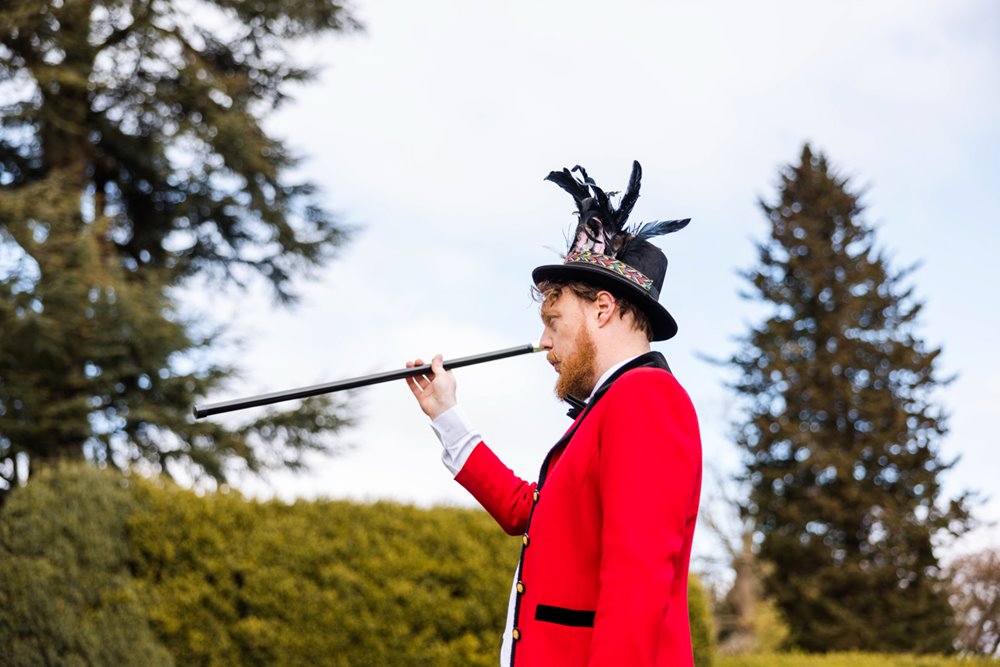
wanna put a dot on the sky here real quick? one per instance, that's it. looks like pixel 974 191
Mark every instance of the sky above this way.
pixel 431 133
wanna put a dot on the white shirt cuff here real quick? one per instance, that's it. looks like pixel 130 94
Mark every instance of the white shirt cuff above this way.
pixel 457 437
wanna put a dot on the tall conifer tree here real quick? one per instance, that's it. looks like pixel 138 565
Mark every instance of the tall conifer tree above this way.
pixel 132 159
pixel 841 433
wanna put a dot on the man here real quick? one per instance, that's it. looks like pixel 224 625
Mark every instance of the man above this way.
pixel 607 529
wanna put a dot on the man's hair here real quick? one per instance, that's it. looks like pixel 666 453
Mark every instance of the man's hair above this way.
pixel 548 291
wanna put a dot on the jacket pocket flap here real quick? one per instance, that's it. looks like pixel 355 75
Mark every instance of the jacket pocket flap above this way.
pixel 576 618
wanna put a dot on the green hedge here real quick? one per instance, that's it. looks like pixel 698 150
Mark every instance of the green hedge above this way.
pixel 702 628
pixel 850 660
pixel 99 570
pixel 232 582
pixel 66 594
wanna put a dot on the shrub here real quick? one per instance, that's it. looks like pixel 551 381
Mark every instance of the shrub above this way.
pixel 66 595
pixel 231 582
pixel 702 628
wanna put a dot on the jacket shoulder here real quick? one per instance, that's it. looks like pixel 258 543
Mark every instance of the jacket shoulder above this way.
pixel 650 382
pixel 647 378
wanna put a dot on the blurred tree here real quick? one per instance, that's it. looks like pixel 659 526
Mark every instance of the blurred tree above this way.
pixel 133 160
pixel 746 620
pixel 841 435
pixel 975 595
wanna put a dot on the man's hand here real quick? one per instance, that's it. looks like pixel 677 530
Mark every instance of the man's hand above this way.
pixel 436 393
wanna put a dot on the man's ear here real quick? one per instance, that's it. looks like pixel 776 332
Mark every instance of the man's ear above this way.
pixel 605 306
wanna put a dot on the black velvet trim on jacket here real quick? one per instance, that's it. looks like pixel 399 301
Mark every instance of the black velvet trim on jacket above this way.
pixel 647 360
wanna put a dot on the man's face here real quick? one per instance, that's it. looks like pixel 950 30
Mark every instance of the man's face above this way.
pixel 571 349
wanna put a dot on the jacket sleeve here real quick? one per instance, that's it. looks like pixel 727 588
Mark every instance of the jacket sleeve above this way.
pixel 649 478
pixel 507 497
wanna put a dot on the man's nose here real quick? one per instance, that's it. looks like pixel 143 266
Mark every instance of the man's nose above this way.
pixel 545 342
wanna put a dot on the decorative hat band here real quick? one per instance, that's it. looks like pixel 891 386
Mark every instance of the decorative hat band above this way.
pixel 611 264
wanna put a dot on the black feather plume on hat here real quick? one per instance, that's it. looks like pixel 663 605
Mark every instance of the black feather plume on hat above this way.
pixel 602 227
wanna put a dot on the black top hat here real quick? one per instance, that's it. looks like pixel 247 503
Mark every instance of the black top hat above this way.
pixel 605 254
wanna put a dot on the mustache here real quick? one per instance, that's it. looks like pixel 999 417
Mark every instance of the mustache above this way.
pixel 551 358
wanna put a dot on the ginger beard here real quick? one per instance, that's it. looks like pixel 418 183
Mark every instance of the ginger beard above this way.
pixel 577 374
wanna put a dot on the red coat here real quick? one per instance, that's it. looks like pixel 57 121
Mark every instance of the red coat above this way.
pixel 607 530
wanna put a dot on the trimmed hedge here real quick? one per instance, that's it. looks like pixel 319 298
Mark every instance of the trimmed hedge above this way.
pixel 702 627
pixel 97 569
pixel 232 582
pixel 66 595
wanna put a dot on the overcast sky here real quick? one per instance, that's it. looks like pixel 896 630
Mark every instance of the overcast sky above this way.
pixel 432 132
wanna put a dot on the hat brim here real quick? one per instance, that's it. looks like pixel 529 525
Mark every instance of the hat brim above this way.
pixel 662 322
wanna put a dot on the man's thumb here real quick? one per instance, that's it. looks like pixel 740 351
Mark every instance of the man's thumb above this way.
pixel 437 365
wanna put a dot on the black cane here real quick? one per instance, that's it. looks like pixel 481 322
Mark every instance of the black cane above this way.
pixel 354 383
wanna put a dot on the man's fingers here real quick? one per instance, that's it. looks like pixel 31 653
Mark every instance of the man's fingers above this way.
pixel 417 383
pixel 434 390
pixel 420 383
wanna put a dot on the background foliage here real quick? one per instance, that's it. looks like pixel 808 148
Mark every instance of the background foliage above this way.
pixel 841 430
pixel 702 626
pixel 67 597
pixel 101 569
pixel 134 160
pixel 974 593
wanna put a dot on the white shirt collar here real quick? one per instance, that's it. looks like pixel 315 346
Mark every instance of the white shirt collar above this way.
pixel 608 373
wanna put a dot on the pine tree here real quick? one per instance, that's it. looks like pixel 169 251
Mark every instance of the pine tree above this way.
pixel 133 161
pixel 841 433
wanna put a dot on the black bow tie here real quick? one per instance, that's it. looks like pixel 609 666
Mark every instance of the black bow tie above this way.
pixel 576 406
